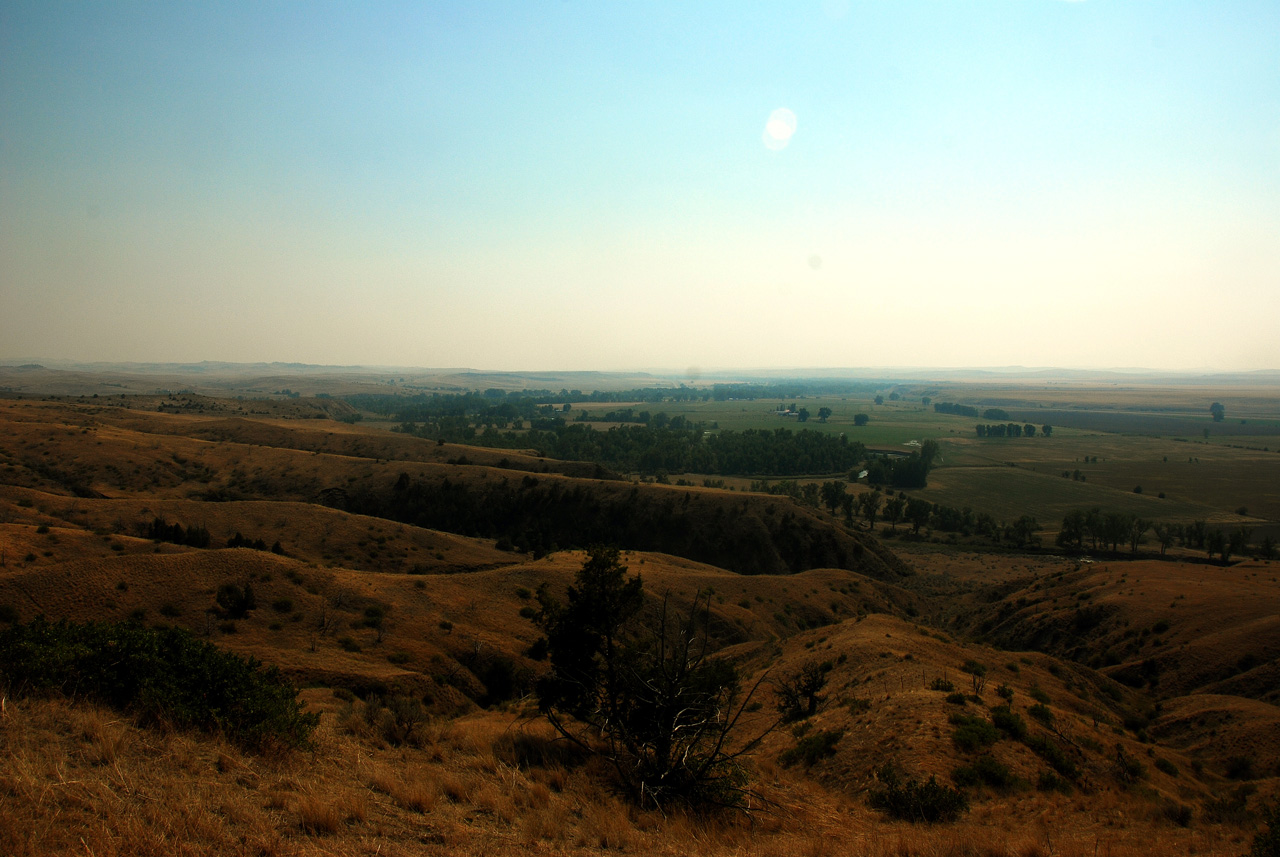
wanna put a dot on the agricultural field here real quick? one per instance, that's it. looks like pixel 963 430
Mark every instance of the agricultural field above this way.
pixel 1108 442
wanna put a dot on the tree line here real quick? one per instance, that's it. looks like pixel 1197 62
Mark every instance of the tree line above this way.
pixel 1101 530
pixel 955 409
pixel 677 446
pixel 544 515
pixel 1012 430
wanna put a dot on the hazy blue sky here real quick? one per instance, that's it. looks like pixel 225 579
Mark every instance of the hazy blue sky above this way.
pixel 595 185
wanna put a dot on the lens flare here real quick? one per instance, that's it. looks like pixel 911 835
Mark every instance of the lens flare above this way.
pixel 779 128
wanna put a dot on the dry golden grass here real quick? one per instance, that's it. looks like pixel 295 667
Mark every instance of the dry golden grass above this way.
pixel 153 793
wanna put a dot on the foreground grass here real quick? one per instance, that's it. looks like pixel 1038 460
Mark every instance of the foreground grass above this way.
pixel 78 779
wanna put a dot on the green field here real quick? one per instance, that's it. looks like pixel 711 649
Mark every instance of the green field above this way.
pixel 891 424
pixel 1201 478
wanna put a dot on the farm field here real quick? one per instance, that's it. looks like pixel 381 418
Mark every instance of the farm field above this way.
pixel 1114 450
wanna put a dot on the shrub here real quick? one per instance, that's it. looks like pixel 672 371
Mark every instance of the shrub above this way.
pixel 800 694
pixel 1048 750
pixel 396 718
pixel 911 800
pixel 1041 712
pixel 942 684
pixel 1240 768
pixel 973 733
pixel 348 644
pixel 1037 693
pixel 1051 782
pixel 812 749
pixel 234 601
pixel 1179 813
pixel 282 605
pixel 1009 722
pixel 988 770
pixel 1232 808
pixel 1165 766
pixel 1128 768
pixel 957 698
pixel 161 675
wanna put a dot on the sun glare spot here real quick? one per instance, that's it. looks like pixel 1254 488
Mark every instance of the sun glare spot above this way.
pixel 779 128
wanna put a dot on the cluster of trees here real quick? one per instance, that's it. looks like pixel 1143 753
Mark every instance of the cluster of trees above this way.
pixel 161 530
pixel 956 409
pixel 1110 530
pixel 1101 529
pixel 242 541
pixel 911 471
pixel 623 415
pixel 543 515
pixel 918 513
pixel 678 447
pixel 896 509
pixel 791 389
pixel 1012 430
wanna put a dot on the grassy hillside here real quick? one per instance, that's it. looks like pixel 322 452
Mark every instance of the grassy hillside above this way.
pixel 389 581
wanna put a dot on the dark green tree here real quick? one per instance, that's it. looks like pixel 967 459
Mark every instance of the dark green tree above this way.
pixel 860 419
pixel 918 513
pixel 646 692
pixel 1216 543
pixel 823 414
pixel 1137 530
pixel 832 495
pixel 1218 411
pixel 870 503
pixel 894 510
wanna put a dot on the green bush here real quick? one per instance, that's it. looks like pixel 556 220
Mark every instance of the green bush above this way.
pixel 1009 722
pixel 812 748
pixel 988 770
pixel 160 675
pixel 1051 782
pixel 1165 766
pixel 1048 750
pixel 973 733
pixel 1041 712
pixel 911 800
